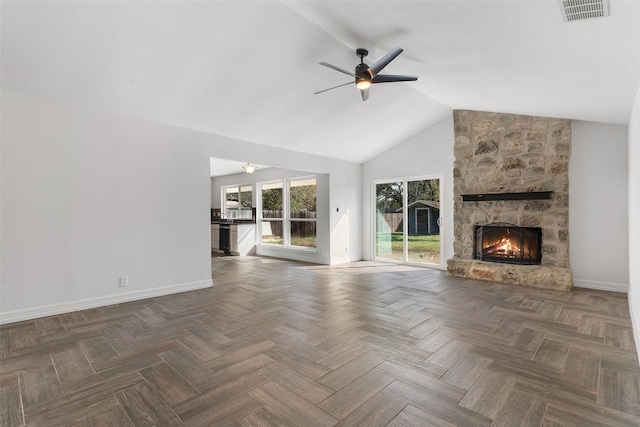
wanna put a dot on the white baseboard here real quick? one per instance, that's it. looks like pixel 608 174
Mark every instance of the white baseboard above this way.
pixel 601 286
pixel 68 307
pixel 309 256
pixel 341 260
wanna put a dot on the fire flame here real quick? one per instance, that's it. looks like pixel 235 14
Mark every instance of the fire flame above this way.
pixel 505 246
pixel 502 248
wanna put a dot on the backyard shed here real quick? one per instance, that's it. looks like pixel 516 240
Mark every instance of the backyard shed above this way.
pixel 422 218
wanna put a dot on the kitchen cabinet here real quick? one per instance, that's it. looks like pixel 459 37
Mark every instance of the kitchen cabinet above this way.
pixel 233 239
pixel 242 238
pixel 215 237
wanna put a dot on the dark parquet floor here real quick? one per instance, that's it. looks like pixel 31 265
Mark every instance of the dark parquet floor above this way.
pixel 281 343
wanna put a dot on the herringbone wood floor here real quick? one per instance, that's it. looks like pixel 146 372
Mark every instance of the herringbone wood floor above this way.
pixel 280 343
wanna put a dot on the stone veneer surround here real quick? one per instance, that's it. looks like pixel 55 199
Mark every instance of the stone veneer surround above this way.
pixel 506 153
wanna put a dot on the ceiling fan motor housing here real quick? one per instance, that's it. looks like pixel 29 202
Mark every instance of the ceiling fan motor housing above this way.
pixel 362 72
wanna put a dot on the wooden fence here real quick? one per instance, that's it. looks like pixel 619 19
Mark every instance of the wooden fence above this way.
pixel 393 220
pixel 299 229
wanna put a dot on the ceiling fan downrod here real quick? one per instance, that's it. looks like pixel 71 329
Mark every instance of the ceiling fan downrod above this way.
pixel 363 75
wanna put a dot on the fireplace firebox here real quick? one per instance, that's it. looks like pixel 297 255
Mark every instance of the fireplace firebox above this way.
pixel 508 243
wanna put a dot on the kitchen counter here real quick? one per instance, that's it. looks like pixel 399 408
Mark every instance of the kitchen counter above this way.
pixel 242 236
pixel 235 221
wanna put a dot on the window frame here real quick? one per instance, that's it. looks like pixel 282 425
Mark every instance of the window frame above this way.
pixel 223 200
pixel 286 213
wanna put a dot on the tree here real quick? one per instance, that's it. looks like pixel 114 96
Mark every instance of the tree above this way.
pixel 302 198
pixel 428 189
pixel 272 199
pixel 389 196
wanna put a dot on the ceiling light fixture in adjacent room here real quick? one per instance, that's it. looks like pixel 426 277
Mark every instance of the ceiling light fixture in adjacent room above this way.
pixel 579 10
pixel 249 168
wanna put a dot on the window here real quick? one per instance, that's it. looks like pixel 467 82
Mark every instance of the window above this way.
pixel 302 212
pixel 271 213
pixel 288 213
pixel 237 201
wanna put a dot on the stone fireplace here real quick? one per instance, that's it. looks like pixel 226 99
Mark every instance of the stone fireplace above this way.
pixel 511 170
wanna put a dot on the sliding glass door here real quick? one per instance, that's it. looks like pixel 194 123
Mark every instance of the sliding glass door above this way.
pixel 407 221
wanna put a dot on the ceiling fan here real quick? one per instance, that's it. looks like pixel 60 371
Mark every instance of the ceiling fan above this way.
pixel 365 76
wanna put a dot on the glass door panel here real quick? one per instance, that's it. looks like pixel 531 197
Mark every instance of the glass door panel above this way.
pixel 389 233
pixel 422 216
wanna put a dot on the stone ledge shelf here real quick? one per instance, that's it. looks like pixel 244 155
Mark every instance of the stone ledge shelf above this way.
pixel 531 195
pixel 537 276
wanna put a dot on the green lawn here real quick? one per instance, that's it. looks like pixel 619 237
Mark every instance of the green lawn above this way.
pixel 307 242
pixel 420 248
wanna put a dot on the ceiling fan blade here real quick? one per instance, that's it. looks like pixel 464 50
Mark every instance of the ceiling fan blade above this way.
pixel 390 78
pixel 384 61
pixel 324 90
pixel 333 67
pixel 365 94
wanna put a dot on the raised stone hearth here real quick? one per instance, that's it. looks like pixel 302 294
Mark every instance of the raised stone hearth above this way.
pixel 506 153
pixel 537 276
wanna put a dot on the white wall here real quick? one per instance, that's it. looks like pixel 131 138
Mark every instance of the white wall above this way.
pixel 88 197
pixel 598 208
pixel 429 152
pixel 634 215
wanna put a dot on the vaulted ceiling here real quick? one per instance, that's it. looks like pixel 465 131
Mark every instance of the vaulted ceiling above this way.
pixel 249 69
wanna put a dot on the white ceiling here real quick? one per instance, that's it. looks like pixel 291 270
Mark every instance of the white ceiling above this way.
pixel 249 69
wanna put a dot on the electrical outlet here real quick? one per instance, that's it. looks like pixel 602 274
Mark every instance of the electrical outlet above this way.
pixel 124 281
pixel 346 250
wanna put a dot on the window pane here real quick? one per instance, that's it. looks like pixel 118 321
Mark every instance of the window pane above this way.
pixel 246 201
pixel 389 234
pixel 272 232
pixel 231 202
pixel 272 205
pixel 302 198
pixel 303 233
pixel 272 200
pixel 423 231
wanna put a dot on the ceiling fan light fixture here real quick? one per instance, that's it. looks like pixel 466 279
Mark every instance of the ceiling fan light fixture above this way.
pixel 363 84
pixel 249 168
pixel 365 76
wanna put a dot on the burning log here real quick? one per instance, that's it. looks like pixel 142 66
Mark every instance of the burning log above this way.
pixel 502 248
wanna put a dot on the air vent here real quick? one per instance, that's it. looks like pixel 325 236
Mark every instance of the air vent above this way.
pixel 579 10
